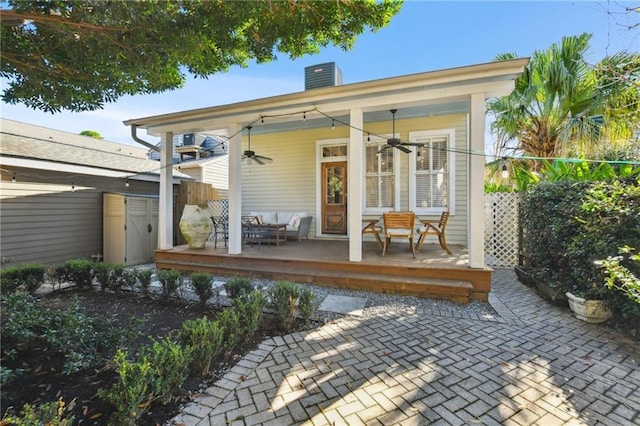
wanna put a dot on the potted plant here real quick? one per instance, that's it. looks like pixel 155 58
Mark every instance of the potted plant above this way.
pixel 589 310
pixel 588 295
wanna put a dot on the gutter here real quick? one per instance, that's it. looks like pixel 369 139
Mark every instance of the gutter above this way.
pixel 134 135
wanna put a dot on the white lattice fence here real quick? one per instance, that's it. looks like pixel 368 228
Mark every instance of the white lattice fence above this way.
pixel 501 229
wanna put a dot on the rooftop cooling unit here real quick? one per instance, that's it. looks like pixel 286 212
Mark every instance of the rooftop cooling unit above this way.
pixel 322 75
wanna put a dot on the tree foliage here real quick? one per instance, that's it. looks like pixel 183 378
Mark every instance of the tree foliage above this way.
pixel 563 105
pixel 91 134
pixel 78 55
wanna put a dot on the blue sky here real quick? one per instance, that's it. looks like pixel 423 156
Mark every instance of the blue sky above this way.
pixel 424 36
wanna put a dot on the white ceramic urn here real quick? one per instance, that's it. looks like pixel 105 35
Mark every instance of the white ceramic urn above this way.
pixel 196 225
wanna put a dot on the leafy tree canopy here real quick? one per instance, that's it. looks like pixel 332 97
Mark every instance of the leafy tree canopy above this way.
pixel 562 104
pixel 91 134
pixel 78 55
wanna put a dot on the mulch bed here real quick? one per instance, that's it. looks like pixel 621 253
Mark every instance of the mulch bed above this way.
pixel 42 379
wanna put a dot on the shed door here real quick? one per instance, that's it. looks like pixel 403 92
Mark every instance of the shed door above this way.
pixel 137 231
pixel 334 198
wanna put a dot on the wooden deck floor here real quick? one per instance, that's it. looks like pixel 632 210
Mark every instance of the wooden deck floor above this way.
pixel 433 273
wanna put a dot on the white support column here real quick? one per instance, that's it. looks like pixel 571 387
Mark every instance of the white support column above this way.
pixel 475 233
pixel 235 190
pixel 165 215
pixel 354 185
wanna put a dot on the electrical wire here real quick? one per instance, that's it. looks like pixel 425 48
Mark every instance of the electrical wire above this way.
pixel 261 119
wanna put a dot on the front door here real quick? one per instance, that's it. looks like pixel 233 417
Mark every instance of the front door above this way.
pixel 334 198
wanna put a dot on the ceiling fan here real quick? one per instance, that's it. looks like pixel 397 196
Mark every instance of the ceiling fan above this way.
pixel 251 155
pixel 394 142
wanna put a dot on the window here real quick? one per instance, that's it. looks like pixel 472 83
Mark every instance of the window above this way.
pixel 334 151
pixel 379 179
pixel 432 172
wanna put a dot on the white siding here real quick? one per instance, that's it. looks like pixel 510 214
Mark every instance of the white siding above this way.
pixel 216 172
pixel 289 182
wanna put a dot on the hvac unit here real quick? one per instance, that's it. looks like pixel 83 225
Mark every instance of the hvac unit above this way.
pixel 188 139
pixel 322 75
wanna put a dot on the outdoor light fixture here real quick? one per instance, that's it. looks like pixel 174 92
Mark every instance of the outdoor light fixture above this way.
pixel 13 179
pixel 505 171
pixel 126 184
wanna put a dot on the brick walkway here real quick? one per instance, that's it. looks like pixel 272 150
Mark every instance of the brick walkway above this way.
pixel 534 365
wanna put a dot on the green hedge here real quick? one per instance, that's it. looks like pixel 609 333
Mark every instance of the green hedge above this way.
pixel 570 226
pixel 28 276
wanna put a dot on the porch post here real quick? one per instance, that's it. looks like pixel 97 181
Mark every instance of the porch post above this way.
pixel 354 185
pixel 165 215
pixel 475 234
pixel 235 189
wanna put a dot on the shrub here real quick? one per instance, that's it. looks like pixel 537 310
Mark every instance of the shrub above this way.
pixel 305 303
pixel 201 285
pixel 101 272
pixel 132 391
pixel 23 318
pixel 205 339
pixel 170 362
pixel 571 226
pixel 171 280
pixel 9 279
pixel 58 274
pixel 144 276
pixel 117 277
pixel 129 278
pixel 623 272
pixel 283 298
pixel 229 320
pixel 86 341
pixel 29 276
pixel 249 307
pixel 55 413
pixel 80 272
pixel 235 286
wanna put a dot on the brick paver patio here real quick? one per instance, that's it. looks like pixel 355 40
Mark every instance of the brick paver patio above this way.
pixel 533 365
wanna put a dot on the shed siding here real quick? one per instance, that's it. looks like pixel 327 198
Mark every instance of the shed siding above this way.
pixel 289 182
pixel 43 221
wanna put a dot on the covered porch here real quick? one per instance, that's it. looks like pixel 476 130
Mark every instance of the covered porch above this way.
pixel 433 273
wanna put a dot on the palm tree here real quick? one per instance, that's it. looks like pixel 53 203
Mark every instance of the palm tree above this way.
pixel 561 105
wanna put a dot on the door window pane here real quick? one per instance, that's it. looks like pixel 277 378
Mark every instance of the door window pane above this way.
pixel 335 185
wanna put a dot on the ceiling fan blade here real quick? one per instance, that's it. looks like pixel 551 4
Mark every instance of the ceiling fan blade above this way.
pixel 403 149
pixel 257 160
pixel 264 159
pixel 412 144
pixel 384 148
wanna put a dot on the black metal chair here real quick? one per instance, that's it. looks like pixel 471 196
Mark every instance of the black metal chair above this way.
pixel 220 229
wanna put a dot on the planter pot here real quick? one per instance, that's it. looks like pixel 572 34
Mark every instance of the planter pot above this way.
pixel 593 311
pixel 524 276
pixel 552 294
pixel 548 292
pixel 196 225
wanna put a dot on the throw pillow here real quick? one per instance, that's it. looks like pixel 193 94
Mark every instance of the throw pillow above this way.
pixel 269 217
pixel 294 222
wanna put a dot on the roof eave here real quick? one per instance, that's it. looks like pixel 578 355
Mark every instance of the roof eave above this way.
pixel 503 70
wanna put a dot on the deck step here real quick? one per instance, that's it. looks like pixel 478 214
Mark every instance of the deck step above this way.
pixel 455 290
